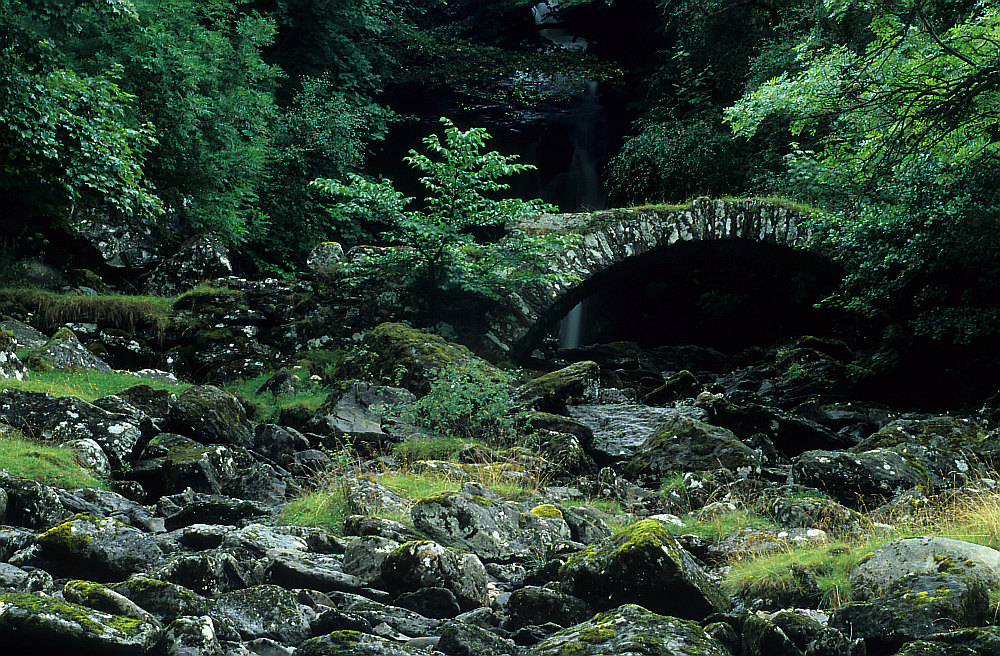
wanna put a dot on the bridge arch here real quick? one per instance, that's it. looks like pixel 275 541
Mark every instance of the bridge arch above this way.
pixel 611 238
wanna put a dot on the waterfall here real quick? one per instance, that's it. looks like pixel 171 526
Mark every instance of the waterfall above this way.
pixel 545 12
pixel 571 327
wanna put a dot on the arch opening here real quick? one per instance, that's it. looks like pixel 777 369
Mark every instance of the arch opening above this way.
pixel 727 294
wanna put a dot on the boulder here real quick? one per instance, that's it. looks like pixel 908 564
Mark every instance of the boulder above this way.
pixel 950 434
pixel 364 555
pixel 913 607
pixel 980 641
pixel 643 565
pixel 123 242
pixel 354 643
pixel 461 639
pixel 99 548
pixel 34 625
pixel 11 368
pixel 164 600
pixel 553 392
pixel 924 555
pixel 211 415
pixel 262 611
pixel 632 630
pixel 539 605
pixel 323 572
pixel 324 257
pixel 354 416
pixel 488 528
pixel 104 599
pixel 684 444
pixel 64 352
pixel 200 258
pixel 423 563
pixel 25 336
pixel 209 573
pixel 855 479
pixel 188 636
pixel 411 358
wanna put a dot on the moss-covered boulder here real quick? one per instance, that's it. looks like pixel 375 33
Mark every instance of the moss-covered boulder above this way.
pixel 552 392
pixel 398 354
pixel 102 598
pixel 211 415
pixel 686 444
pixel 262 611
pixel 980 641
pixel 64 352
pixel 426 564
pixel 34 625
pixel 915 606
pixel 857 479
pixel 924 555
pixel 633 630
pixel 488 528
pixel 97 548
pixel 538 605
pixel 166 601
pixel 355 643
pixel 188 636
pixel 645 565
pixel 941 433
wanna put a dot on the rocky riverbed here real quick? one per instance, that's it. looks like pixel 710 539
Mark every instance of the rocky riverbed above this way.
pixel 185 555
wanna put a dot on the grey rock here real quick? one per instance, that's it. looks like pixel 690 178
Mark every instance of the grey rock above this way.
pixel 364 555
pixel 263 611
pixel 421 564
pixel 211 415
pixel 856 478
pixel 200 258
pixel 25 336
pixel 619 429
pixel 553 392
pixel 321 572
pixel 461 639
pixel 164 600
pixel 11 367
pixel 632 630
pixel 98 548
pixel 104 599
pixel 324 256
pixel 209 573
pixel 538 605
pixel 65 353
pixel 357 414
pixel 188 636
pixel 352 643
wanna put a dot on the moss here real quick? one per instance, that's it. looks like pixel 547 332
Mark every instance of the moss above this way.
pixel 344 638
pixel 548 511
pixel 598 633
pixel 79 615
pixel 571 649
pixel 64 537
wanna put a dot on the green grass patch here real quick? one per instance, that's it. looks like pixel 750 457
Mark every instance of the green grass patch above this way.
pixel 45 463
pixel 720 524
pixel 308 395
pixel 432 448
pixel 86 384
pixel 111 310
pixel 326 508
pixel 417 486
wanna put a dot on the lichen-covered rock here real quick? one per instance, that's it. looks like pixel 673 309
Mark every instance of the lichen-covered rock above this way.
pixel 461 639
pixel 354 643
pixel 323 572
pixel 263 611
pixel 11 367
pixel 632 630
pixel 211 415
pixel 685 444
pixel 423 563
pixel 381 527
pixel 915 606
pixel 980 641
pixel 371 498
pixel 66 418
pixel 941 433
pixel 164 600
pixel 924 555
pixel 643 565
pixel 488 528
pixel 90 455
pixel 364 555
pixel 534 605
pixel 565 451
pixel 98 548
pixel 104 599
pixel 355 415
pixel 857 478
pixel 816 512
pixel 64 352
pixel 552 392
pixel 35 625
pixel 324 257
pixel 25 336
pixel 188 636
pixel 209 573
pixel 200 258
pixel 411 358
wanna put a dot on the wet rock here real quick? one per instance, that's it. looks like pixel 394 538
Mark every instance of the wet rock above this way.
pixel 35 625
pixel 553 392
pixel 631 629
pixel 100 548
pixel 423 563
pixel 64 352
pixel 688 445
pixel 211 415
pixel 200 258
pixel 682 384
pixel 643 565
pixel 915 606
pixel 924 555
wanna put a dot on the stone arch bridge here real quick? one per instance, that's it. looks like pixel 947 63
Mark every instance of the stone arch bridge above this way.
pixel 612 237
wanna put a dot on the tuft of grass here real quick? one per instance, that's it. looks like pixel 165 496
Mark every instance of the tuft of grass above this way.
pixel 720 524
pixel 325 508
pixel 86 384
pixel 308 395
pixel 431 448
pixel 45 463
pixel 113 310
